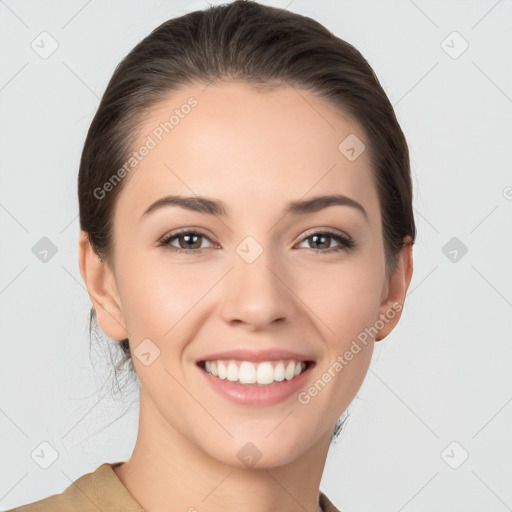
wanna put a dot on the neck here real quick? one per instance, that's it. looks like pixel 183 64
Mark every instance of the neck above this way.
pixel 166 471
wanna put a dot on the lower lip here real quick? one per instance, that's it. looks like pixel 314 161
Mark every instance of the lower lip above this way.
pixel 254 395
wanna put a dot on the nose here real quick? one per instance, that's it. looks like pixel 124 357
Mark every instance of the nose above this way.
pixel 258 294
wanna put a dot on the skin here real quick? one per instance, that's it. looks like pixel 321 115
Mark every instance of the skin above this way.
pixel 256 151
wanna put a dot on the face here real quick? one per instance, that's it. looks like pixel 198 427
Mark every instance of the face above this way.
pixel 254 275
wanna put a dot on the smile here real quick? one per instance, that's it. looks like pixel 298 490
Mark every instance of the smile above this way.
pixel 246 372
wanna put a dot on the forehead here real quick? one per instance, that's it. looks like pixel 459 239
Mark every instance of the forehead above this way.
pixel 262 144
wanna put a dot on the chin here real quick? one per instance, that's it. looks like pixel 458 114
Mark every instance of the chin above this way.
pixel 258 451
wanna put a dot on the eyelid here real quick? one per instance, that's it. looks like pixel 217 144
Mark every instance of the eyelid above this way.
pixel 191 229
pixel 327 231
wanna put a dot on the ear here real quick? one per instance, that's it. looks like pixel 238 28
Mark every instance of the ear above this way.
pixel 395 290
pixel 100 282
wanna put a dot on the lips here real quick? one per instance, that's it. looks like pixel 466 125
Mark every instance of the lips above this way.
pixel 257 394
pixel 256 356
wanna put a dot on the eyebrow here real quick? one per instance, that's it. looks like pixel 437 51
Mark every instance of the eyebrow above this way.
pixel 218 208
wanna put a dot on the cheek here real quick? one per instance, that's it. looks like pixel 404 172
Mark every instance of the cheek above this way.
pixel 156 295
pixel 346 307
pixel 345 297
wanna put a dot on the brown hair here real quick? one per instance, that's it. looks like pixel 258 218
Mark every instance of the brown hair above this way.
pixel 260 45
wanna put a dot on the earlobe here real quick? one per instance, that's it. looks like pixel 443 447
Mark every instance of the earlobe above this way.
pixel 100 283
pixel 398 284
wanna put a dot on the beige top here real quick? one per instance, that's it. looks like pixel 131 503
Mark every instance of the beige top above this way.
pixel 102 490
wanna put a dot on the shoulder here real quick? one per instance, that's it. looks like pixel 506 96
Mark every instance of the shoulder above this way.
pixel 326 504
pixel 80 495
pixel 100 489
pixel 50 503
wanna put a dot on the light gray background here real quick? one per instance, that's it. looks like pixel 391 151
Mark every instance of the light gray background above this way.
pixel 443 375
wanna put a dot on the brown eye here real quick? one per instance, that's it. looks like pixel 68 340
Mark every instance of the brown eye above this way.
pixel 188 241
pixel 322 240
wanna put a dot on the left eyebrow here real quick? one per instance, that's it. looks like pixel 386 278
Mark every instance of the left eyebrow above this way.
pixel 194 203
pixel 219 209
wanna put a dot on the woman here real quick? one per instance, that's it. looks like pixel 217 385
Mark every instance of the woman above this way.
pixel 246 234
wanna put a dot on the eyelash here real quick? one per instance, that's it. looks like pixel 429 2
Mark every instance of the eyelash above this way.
pixel 346 242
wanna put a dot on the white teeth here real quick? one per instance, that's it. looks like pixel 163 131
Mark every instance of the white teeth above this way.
pixel 247 373
pixel 263 373
pixel 290 371
pixel 279 372
pixel 232 374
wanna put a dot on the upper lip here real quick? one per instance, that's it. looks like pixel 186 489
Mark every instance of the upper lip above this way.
pixel 272 354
